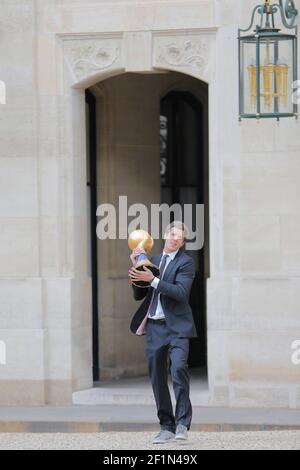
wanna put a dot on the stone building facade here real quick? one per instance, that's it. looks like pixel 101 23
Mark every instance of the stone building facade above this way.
pixel 130 54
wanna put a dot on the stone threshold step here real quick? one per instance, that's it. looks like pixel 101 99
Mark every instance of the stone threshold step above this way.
pixel 128 397
pixel 93 427
pixel 77 418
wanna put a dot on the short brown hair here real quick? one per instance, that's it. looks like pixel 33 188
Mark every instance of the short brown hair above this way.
pixel 180 225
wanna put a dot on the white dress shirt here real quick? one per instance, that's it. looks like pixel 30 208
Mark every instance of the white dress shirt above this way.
pixel 159 314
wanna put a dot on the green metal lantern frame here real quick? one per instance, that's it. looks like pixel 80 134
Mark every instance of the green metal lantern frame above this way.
pixel 263 33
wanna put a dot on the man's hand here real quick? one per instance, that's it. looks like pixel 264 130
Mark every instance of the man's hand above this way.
pixel 136 275
pixel 135 253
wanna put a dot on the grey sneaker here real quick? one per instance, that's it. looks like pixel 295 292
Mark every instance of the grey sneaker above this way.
pixel 163 436
pixel 181 432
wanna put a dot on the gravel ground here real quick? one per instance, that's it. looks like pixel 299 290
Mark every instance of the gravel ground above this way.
pixel 275 440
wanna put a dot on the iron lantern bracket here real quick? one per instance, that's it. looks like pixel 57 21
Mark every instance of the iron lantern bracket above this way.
pixel 267 12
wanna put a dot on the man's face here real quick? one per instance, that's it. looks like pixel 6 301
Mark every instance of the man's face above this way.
pixel 174 239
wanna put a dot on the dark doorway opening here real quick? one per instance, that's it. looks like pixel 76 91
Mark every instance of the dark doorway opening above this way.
pixel 91 141
pixel 184 180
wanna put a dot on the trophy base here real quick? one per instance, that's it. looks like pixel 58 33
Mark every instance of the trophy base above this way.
pixel 152 267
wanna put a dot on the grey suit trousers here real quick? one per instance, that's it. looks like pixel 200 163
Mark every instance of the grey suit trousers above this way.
pixel 161 347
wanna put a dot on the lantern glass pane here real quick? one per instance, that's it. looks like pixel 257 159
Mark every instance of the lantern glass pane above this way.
pixel 248 85
pixel 276 76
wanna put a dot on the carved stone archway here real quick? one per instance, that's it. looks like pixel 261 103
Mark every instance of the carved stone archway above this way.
pixel 89 59
pixel 93 58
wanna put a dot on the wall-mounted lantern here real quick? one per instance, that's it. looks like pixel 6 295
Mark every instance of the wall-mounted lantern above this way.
pixel 268 64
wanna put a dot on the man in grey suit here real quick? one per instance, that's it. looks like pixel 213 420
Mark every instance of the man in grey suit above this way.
pixel 166 318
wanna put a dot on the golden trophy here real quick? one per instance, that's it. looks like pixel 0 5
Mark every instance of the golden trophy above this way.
pixel 142 239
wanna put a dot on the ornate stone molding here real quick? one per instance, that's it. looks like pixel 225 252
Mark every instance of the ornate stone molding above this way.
pixel 87 57
pixel 187 53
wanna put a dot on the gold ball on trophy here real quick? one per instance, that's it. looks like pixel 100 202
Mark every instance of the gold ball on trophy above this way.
pixel 142 239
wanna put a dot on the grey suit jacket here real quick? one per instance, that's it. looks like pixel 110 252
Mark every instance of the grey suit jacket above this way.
pixel 175 290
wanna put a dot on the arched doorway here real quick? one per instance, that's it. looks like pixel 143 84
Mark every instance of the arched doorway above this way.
pixel 124 115
pixel 184 180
